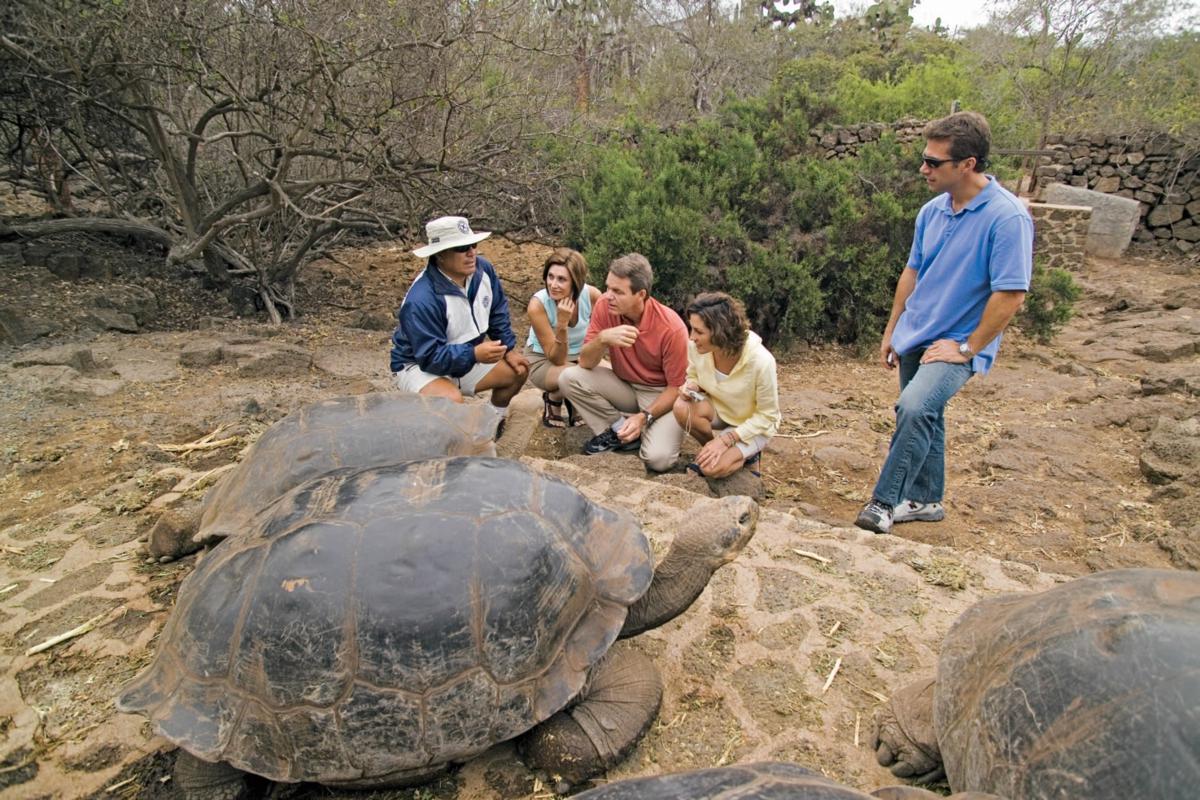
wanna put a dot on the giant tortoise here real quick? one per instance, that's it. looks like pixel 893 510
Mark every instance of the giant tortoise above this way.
pixel 768 780
pixel 1090 689
pixel 373 625
pixel 366 430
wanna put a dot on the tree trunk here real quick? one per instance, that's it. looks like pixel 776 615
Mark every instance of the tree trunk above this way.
pixel 124 227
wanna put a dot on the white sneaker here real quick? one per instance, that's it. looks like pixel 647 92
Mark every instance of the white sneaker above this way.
pixel 908 511
pixel 876 517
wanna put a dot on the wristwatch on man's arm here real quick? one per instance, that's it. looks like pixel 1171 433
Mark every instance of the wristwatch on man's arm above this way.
pixel 965 350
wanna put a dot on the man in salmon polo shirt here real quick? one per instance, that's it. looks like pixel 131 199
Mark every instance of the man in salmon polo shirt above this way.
pixel 646 344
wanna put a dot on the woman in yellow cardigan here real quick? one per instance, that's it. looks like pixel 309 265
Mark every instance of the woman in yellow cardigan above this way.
pixel 730 401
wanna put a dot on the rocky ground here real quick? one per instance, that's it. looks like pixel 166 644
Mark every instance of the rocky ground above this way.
pixel 1068 458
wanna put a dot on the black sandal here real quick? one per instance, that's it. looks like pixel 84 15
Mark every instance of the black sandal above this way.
pixel 573 418
pixel 552 412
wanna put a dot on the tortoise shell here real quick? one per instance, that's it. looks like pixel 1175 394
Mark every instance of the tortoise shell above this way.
pixel 770 780
pixel 360 431
pixel 1089 689
pixel 376 622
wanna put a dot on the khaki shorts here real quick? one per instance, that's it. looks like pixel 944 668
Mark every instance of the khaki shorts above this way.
pixel 413 379
pixel 539 365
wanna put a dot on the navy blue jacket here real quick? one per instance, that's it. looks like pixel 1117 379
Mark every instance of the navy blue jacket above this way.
pixel 440 324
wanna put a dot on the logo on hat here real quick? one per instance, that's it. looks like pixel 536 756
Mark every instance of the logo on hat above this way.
pixel 463 227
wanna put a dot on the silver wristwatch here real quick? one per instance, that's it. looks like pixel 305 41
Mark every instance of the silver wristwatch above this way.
pixel 965 350
pixel 649 417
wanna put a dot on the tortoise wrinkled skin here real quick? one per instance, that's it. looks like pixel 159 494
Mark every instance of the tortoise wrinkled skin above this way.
pixel 366 430
pixel 1089 689
pixel 373 623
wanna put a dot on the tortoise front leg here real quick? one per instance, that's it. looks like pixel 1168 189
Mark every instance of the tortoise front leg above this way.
pixel 905 739
pixel 204 780
pixel 612 712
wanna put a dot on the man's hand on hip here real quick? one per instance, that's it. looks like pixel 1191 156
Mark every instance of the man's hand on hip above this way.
pixel 944 350
pixel 620 336
pixel 489 352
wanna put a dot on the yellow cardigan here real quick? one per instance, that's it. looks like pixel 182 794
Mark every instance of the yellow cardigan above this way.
pixel 749 397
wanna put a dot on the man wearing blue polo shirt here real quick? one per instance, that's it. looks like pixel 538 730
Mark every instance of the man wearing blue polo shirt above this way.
pixel 967 274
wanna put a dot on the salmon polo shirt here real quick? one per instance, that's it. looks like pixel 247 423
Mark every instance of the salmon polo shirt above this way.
pixel 960 259
pixel 658 357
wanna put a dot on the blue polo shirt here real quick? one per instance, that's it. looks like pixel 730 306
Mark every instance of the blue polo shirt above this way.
pixel 960 259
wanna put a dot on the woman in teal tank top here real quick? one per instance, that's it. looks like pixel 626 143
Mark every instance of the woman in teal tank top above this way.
pixel 558 319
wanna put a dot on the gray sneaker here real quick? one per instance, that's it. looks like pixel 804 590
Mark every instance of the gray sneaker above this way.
pixel 910 511
pixel 876 517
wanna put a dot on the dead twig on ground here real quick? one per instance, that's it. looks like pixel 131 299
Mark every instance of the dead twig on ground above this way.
pixel 808 554
pixel 207 442
pixel 801 435
pixel 79 630
pixel 192 446
pixel 832 674
pixel 881 698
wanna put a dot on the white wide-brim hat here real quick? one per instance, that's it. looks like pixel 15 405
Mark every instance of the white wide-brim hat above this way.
pixel 446 232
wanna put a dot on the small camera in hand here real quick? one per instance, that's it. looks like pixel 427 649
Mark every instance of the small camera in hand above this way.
pixel 693 394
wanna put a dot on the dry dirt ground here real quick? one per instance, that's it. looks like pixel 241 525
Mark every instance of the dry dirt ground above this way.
pixel 1047 462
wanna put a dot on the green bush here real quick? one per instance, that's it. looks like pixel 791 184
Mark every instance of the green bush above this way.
pixel 1049 304
pixel 747 205
pixel 925 91
pixel 812 246
pixel 668 197
pixel 783 298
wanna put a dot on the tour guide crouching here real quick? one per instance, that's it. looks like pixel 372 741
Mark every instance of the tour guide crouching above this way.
pixel 455 336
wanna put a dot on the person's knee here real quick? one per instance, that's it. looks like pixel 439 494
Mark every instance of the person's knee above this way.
pixel 518 380
pixel 916 407
pixel 682 410
pixel 569 383
pixel 443 389
pixel 658 462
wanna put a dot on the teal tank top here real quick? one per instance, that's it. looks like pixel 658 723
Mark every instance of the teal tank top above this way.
pixel 574 334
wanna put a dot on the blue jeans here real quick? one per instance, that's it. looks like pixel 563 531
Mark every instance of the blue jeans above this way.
pixel 916 464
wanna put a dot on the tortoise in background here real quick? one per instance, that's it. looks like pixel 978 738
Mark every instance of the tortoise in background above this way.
pixel 366 430
pixel 769 780
pixel 373 625
pixel 1090 689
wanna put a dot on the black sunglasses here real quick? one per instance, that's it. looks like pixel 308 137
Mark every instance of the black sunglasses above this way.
pixel 934 163
pixel 462 248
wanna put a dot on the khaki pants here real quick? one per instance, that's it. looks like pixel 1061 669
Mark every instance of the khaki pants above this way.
pixel 602 398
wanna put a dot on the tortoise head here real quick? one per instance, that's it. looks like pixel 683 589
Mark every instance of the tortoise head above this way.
pixel 711 537
pixel 726 527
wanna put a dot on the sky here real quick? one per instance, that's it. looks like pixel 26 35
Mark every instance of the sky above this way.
pixel 955 13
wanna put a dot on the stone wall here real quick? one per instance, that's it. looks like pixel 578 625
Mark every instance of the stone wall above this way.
pixel 843 141
pixel 1160 172
pixel 1060 234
